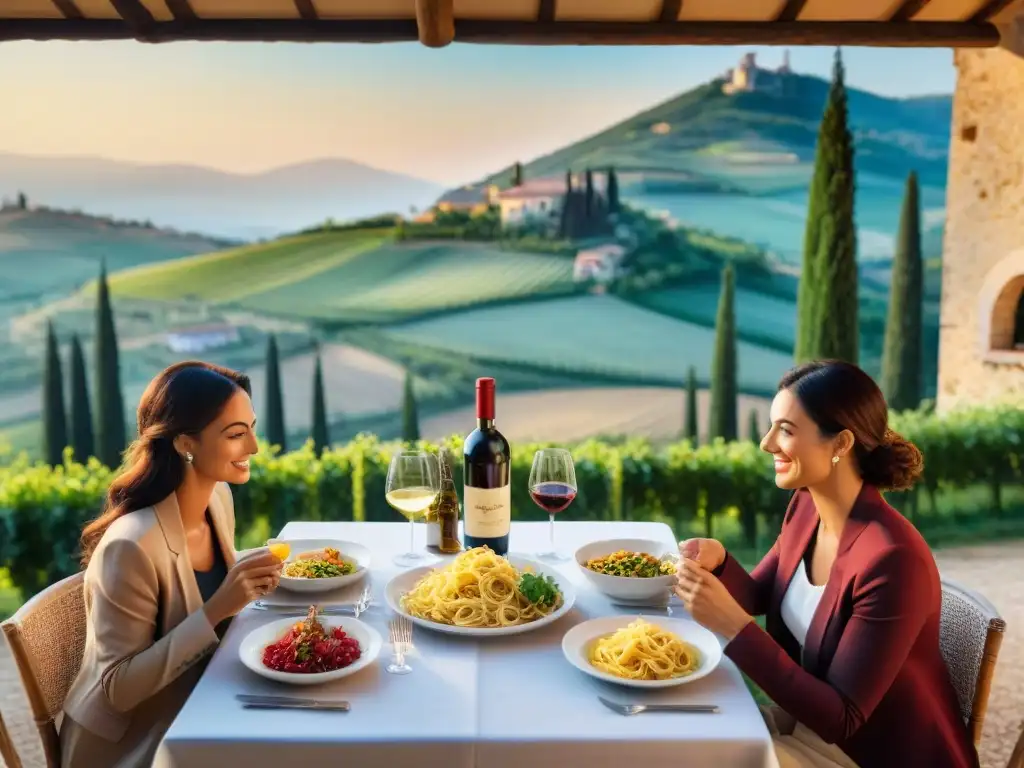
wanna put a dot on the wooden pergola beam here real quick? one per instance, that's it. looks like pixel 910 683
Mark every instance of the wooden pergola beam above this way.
pixel 791 10
pixel 670 10
pixel 990 9
pixel 546 11
pixel 435 22
pixel 68 9
pixel 910 34
pixel 306 10
pixel 908 9
pixel 181 9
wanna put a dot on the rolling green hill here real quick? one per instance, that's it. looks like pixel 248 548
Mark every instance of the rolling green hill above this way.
pixel 46 254
pixel 761 141
pixel 359 276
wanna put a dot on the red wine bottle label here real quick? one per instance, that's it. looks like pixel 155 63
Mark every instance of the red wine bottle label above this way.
pixel 488 511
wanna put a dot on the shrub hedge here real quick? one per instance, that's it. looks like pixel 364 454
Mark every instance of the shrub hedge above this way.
pixel 42 508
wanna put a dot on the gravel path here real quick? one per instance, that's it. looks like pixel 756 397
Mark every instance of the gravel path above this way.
pixel 995 570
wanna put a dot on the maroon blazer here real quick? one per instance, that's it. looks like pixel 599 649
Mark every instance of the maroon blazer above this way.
pixel 871 678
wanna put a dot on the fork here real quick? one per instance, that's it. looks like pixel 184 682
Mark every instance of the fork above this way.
pixel 360 606
pixel 400 634
pixel 636 709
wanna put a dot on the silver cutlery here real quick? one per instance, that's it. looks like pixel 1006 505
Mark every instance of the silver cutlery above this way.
pixel 642 607
pixel 636 709
pixel 362 603
pixel 400 635
pixel 251 701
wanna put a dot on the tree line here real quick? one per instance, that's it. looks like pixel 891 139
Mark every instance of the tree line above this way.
pixel 827 321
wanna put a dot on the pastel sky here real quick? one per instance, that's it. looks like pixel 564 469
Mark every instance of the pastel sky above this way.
pixel 445 115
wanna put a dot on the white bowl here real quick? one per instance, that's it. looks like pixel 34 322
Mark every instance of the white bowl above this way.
pixel 406 580
pixel 577 642
pixel 349 551
pixel 253 645
pixel 628 588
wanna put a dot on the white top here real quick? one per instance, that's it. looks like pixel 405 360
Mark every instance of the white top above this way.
pixel 800 602
pixel 494 702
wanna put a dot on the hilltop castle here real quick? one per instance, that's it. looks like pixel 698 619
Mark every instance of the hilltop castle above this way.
pixel 748 77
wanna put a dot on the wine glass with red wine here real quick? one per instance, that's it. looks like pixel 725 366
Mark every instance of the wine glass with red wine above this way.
pixel 552 488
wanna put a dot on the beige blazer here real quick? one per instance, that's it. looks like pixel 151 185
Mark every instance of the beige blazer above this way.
pixel 146 633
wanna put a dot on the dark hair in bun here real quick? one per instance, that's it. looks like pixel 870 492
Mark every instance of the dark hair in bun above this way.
pixel 839 395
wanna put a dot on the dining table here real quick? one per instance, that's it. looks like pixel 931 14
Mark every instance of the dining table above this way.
pixel 493 702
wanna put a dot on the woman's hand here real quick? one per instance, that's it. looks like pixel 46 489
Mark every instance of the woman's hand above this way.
pixel 708 601
pixel 250 578
pixel 708 552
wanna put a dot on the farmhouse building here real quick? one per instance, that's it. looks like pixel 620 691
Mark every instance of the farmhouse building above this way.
pixel 535 200
pixel 201 338
pixel 602 263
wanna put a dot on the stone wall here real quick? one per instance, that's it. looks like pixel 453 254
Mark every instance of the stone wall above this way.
pixel 984 241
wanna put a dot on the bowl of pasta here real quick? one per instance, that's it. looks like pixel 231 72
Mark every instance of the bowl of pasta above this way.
pixel 481 594
pixel 320 565
pixel 638 570
pixel 638 652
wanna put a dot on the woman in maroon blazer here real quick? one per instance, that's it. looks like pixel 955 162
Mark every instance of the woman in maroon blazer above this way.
pixel 850 590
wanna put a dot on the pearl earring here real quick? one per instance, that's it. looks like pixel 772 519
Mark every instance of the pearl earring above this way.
pixel 188 457
pixel 835 459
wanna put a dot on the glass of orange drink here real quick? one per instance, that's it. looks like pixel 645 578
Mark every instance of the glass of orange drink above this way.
pixel 279 549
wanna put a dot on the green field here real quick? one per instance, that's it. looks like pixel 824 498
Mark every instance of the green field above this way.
pixel 595 335
pixel 759 317
pixel 354 276
pixel 398 280
pixel 240 273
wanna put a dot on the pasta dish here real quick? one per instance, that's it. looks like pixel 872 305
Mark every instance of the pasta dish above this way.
pixel 644 651
pixel 323 563
pixel 631 564
pixel 481 589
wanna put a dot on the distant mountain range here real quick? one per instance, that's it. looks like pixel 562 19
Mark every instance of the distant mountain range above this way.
pixel 760 141
pixel 198 199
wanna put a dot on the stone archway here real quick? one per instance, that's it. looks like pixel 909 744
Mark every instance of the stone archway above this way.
pixel 1001 311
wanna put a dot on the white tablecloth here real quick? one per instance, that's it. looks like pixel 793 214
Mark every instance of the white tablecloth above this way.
pixel 494 703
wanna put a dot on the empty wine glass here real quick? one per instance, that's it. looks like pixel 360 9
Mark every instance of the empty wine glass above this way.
pixel 552 488
pixel 412 485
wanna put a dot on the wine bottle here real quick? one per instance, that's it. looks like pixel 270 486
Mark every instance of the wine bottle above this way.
pixel 446 507
pixel 487 468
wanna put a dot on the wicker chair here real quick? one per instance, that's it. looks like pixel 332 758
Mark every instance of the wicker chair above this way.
pixel 1017 758
pixel 47 668
pixel 970 636
pixel 7 751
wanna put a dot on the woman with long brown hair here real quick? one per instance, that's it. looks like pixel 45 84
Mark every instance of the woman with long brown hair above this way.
pixel 162 576
pixel 850 591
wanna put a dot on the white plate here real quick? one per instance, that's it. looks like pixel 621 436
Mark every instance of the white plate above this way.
pixel 578 640
pixel 405 581
pixel 253 645
pixel 654 589
pixel 350 552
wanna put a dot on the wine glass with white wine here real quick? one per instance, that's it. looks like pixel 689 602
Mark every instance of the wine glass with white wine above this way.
pixel 413 483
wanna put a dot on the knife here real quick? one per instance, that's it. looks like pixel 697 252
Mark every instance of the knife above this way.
pixel 250 701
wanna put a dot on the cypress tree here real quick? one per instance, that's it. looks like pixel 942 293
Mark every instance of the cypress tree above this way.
pixel 827 297
pixel 565 225
pixel 274 418
pixel 723 367
pixel 81 412
pixel 517 174
pixel 589 194
pixel 613 192
pixel 110 425
pixel 55 422
pixel 690 429
pixel 901 354
pixel 753 428
pixel 321 430
pixel 410 419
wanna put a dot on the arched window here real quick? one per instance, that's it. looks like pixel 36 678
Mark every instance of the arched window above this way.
pixel 1018 323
